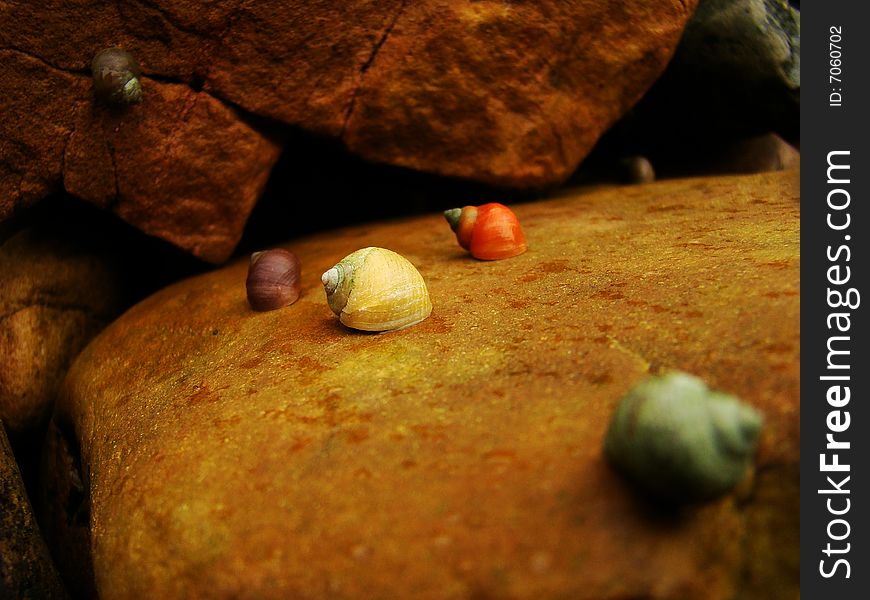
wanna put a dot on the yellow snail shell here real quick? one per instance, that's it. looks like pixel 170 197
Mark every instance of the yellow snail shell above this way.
pixel 681 441
pixel 375 289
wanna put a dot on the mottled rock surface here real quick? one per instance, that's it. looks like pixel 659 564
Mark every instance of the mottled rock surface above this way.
pixel 512 94
pixel 26 570
pixel 230 453
pixel 743 60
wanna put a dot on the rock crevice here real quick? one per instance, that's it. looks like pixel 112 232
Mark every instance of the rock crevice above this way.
pixel 369 62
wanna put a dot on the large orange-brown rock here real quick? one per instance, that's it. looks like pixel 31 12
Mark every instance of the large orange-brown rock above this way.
pixel 230 453
pixel 513 94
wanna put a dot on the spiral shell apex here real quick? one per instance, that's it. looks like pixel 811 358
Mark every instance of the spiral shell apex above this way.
pixel 681 441
pixel 273 279
pixel 375 289
pixel 489 232
pixel 116 77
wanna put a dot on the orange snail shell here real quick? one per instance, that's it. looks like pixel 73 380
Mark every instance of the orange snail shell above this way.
pixel 490 231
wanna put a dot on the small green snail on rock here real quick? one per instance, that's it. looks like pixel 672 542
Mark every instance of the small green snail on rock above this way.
pixel 375 289
pixel 116 77
pixel 682 441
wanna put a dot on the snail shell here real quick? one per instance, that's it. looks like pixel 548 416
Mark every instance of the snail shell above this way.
pixel 637 169
pixel 681 441
pixel 273 279
pixel 375 289
pixel 489 232
pixel 116 77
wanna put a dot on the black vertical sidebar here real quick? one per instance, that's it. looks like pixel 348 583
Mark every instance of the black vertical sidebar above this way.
pixel 835 367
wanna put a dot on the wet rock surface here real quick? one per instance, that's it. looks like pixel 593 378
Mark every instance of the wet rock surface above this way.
pixel 228 452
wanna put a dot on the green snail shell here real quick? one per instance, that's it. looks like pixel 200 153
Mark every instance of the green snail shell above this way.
pixel 681 441
pixel 117 77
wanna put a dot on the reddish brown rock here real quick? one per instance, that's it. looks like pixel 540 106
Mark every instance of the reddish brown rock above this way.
pixel 513 94
pixel 190 179
pixel 181 166
pixel 231 453
pixel 38 107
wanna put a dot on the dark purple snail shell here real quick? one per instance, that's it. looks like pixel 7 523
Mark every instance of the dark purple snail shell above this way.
pixel 637 169
pixel 273 279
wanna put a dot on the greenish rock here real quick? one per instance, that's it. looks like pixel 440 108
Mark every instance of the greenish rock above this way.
pixel 734 75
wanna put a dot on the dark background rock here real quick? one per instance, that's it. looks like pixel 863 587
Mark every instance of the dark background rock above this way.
pixel 689 158
pixel 511 94
pixel 181 166
pixel 62 506
pixel 735 76
pixel 55 296
pixel 67 269
pixel 26 569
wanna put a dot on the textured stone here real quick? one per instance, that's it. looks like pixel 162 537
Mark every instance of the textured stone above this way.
pixel 62 510
pixel 512 94
pixel 26 570
pixel 37 115
pixel 181 166
pixel 743 59
pixel 230 453
pixel 191 178
pixel 55 296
